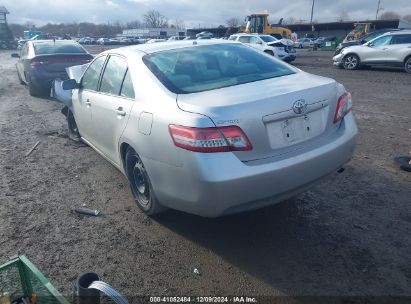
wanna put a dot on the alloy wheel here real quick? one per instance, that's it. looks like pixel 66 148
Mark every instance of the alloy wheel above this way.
pixel 350 62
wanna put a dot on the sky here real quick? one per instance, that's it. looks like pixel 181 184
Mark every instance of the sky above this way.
pixel 194 13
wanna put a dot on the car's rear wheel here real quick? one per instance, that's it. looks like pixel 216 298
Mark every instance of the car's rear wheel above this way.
pixel 33 89
pixel 351 62
pixel 140 184
pixel 407 65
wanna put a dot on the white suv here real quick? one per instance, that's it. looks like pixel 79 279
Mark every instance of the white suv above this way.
pixel 390 49
pixel 268 44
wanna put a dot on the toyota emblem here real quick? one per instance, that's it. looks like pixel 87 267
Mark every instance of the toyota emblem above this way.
pixel 300 106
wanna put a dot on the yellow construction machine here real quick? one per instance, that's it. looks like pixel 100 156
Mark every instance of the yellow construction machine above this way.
pixel 360 29
pixel 258 23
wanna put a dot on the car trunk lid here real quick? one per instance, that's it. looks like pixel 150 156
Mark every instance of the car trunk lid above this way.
pixel 59 62
pixel 268 111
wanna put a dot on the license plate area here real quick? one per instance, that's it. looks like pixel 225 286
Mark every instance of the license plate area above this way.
pixel 297 129
pixel 287 131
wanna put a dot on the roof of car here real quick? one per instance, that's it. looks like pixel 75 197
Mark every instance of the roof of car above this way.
pixel 169 45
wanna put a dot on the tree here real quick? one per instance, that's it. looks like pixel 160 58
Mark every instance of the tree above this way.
pixel 136 24
pixel 233 22
pixel 179 24
pixel 388 15
pixel 407 18
pixel 155 19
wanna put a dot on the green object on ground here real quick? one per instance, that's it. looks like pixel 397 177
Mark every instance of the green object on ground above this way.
pixel 19 278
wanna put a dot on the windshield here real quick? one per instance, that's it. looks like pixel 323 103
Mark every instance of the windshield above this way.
pixel 267 38
pixel 209 67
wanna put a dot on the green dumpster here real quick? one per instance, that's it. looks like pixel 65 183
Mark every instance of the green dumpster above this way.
pixel 20 278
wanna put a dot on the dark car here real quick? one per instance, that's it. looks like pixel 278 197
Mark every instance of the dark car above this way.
pixel 364 39
pixel 42 61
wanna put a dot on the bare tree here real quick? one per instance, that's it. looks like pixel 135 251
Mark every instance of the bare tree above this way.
pixel 407 18
pixel 155 19
pixel 388 15
pixel 136 24
pixel 233 22
pixel 179 24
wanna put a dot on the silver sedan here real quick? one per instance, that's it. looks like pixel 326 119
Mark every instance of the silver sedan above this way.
pixel 210 127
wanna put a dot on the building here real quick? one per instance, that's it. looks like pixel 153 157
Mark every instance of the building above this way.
pixel 3 13
pixel 341 29
pixel 154 32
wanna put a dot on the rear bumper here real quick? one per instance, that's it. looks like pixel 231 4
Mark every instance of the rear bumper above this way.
pixel 43 79
pixel 216 184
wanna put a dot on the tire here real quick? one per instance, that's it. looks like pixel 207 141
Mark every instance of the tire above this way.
pixel 351 62
pixel 73 132
pixel 407 65
pixel 140 184
pixel 269 52
pixel 33 89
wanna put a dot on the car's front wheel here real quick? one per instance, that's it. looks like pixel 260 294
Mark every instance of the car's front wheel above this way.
pixel 407 65
pixel 351 62
pixel 140 184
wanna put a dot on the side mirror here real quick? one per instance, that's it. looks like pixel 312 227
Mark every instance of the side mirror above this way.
pixel 70 84
pixel 15 55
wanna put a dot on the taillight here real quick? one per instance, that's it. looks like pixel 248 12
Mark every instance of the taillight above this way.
pixel 222 139
pixel 35 63
pixel 344 106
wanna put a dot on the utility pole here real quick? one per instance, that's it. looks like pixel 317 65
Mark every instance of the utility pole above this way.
pixel 312 12
pixel 378 10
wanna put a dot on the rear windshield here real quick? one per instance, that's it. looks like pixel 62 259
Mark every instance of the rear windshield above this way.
pixel 57 47
pixel 208 67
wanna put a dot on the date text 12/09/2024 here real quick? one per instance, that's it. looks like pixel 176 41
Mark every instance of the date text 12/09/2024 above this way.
pixel 234 299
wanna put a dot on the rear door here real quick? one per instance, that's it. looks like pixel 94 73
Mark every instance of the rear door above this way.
pixel 86 95
pixel 111 109
pixel 400 47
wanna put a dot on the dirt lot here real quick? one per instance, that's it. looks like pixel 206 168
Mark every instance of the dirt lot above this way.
pixel 349 235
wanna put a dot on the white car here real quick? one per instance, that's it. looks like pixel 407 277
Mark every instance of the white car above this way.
pixel 304 43
pixel 390 49
pixel 210 127
pixel 268 44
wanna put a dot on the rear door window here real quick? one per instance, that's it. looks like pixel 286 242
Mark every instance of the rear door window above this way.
pixel 127 89
pixel 113 75
pixel 92 75
pixel 401 39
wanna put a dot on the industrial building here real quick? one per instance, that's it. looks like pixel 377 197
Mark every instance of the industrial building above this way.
pixel 154 32
pixel 337 29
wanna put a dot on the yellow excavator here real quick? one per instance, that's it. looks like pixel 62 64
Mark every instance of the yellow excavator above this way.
pixel 258 23
pixel 360 29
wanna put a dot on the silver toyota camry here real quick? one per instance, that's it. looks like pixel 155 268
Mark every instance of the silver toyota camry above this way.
pixel 210 127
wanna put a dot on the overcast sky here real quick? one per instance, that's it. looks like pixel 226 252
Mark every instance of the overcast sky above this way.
pixel 194 13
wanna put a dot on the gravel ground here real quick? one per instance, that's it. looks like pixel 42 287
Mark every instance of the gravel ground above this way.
pixel 350 235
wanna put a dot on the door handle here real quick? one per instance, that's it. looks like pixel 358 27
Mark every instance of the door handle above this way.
pixel 121 112
pixel 87 103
